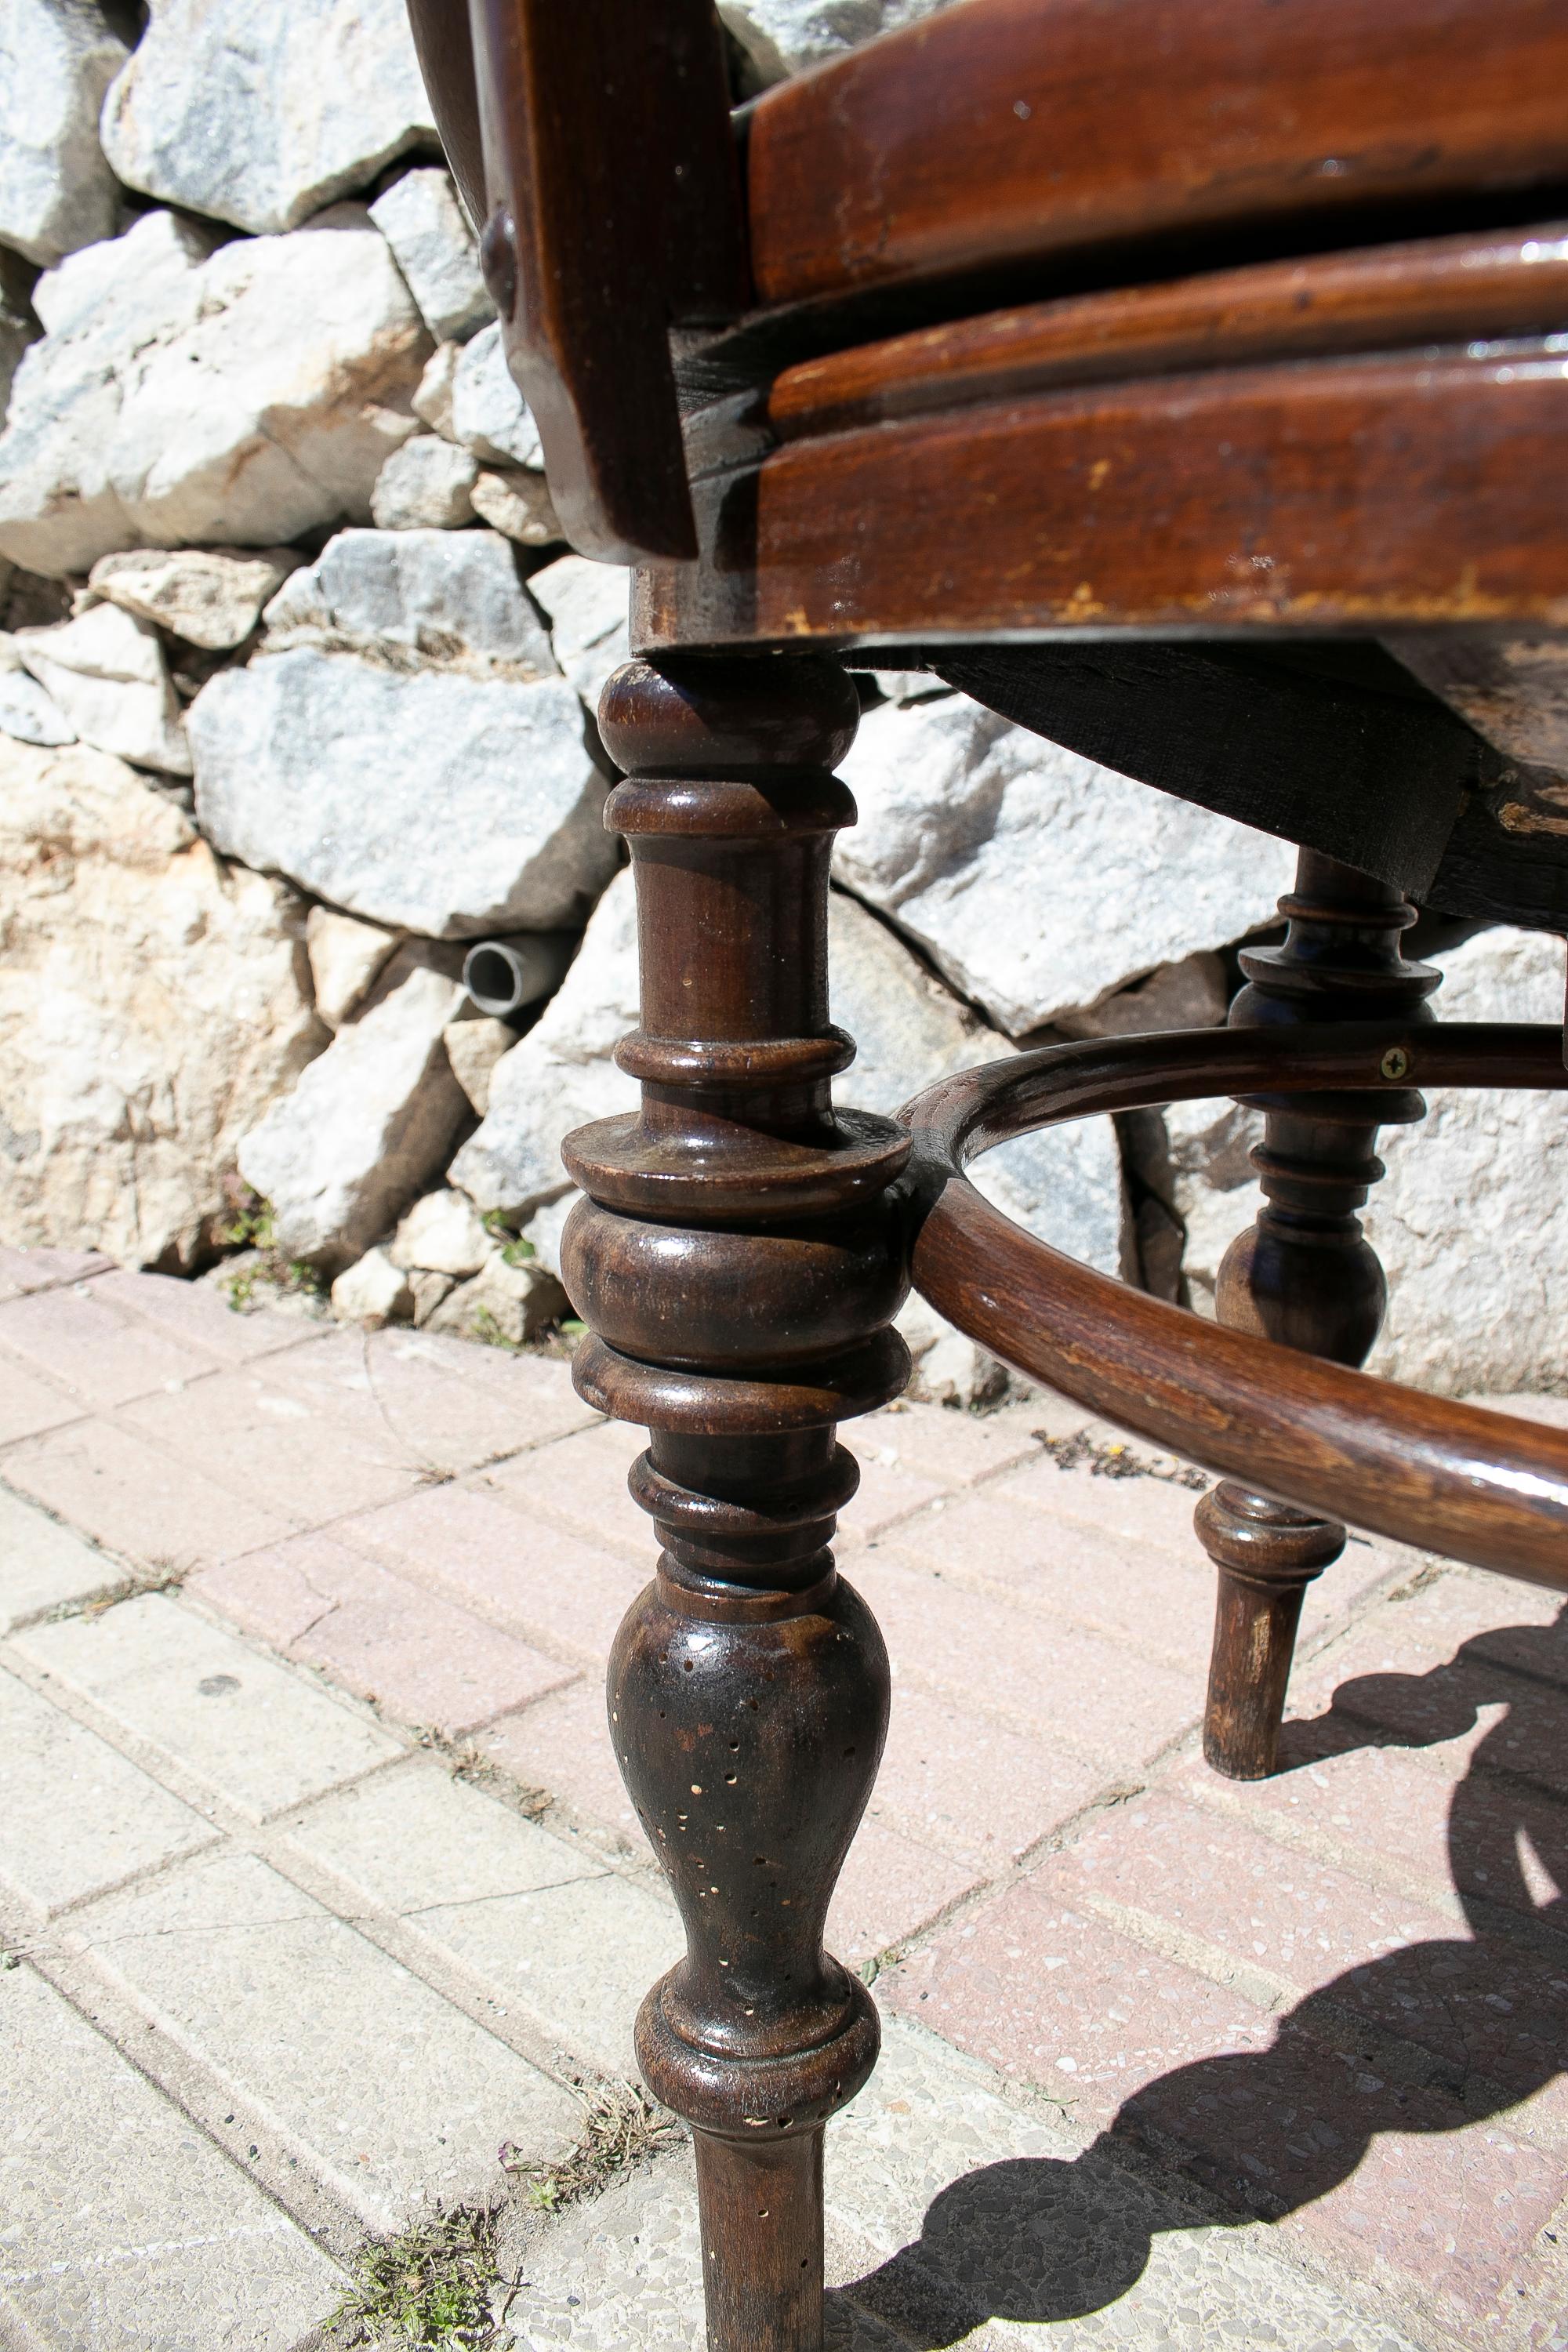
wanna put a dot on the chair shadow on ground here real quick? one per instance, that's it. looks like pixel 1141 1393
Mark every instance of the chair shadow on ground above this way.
pixel 1259 2135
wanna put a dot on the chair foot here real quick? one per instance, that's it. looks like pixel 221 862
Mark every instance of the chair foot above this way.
pixel 1266 1555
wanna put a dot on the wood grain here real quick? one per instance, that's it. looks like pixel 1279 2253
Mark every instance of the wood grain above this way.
pixel 1439 291
pixel 1461 1481
pixel 1349 494
pixel 1013 129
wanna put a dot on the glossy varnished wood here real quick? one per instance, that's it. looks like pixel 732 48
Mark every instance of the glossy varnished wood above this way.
pixel 1304 1272
pixel 611 214
pixel 739 1256
pixel 1436 291
pixel 1024 130
pixel 1468 1483
pixel 1372 494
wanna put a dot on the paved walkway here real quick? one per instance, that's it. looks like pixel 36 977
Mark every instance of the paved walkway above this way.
pixel 317 1882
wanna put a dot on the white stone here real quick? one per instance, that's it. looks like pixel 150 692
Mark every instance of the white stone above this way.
pixel 504 1303
pixel 56 193
pixel 240 396
pixel 152 1005
pixel 489 415
pixel 1471 1220
pixel 433 399
pixel 452 599
pixel 560 1075
pixel 205 595
pixel 1035 881
pixel 368 1124
pixel 372 1292
pixel 441 1234
pixel 106 672
pixel 427 229
pixel 346 956
pixel 261 117
pixel 519 503
pixel 43 1565
pixel 487 811
pixel 427 485
pixel 26 711
pixel 473 1049
pixel 782 37
pixel 588 608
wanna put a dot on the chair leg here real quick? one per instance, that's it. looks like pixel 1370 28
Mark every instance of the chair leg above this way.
pixel 1304 1274
pixel 739 1259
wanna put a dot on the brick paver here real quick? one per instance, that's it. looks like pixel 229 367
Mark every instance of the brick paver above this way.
pixel 1170 2060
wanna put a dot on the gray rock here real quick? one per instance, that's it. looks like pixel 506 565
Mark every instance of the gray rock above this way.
pixel 441 1234
pixel 57 191
pixel 519 503
pixel 504 1303
pixel 487 807
pixel 179 395
pixel 1471 1220
pixel 346 958
pixel 204 595
pixel 414 599
pixel 153 1003
pixel 782 37
pixel 433 400
pixel 473 1049
pixel 1036 881
pixel 105 672
pixel 427 485
pixel 368 1124
pixel 588 608
pixel 489 415
pixel 372 1292
pixel 262 116
pixel 28 711
pixel 427 229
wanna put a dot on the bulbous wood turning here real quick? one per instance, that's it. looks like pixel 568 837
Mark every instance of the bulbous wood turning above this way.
pixel 739 1259
pixel 1304 1272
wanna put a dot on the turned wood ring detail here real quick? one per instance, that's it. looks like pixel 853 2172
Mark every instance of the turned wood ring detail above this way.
pixel 1458 1479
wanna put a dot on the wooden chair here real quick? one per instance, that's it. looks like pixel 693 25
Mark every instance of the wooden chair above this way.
pixel 1182 378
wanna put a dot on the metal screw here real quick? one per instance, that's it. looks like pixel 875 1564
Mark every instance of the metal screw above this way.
pixel 1396 1063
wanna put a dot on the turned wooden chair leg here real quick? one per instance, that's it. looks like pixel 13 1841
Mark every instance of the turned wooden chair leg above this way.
pixel 1303 1274
pixel 739 1259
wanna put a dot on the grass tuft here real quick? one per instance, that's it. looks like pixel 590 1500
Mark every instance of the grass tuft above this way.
pixel 429 2287
pixel 621 2127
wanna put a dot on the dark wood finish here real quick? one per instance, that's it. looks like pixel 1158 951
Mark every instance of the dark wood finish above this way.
pixel 1303 1274
pixel 1439 291
pixel 739 1257
pixel 443 41
pixel 1013 129
pixel 1369 494
pixel 1468 1483
pixel 613 212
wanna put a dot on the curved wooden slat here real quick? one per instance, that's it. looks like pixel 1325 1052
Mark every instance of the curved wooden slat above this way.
pixel 1026 129
pixel 1457 1479
pixel 1328 495
pixel 1441 289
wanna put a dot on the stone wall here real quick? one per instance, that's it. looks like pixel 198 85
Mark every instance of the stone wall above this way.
pixel 296 693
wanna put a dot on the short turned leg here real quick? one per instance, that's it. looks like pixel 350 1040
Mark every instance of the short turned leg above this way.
pixel 739 1259
pixel 1304 1274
